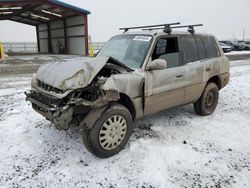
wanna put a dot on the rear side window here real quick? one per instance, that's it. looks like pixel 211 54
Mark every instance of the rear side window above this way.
pixel 211 47
pixel 201 49
pixel 190 51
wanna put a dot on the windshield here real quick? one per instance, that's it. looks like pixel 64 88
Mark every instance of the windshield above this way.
pixel 130 50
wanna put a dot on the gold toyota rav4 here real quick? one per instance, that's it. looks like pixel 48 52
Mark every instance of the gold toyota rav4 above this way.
pixel 134 75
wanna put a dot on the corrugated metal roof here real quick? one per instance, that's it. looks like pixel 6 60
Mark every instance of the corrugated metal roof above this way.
pixel 33 12
pixel 78 9
pixel 56 2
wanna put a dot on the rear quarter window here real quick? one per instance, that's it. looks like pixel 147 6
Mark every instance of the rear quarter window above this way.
pixel 211 47
pixel 201 49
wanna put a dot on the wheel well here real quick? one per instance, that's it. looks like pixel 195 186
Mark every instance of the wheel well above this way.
pixel 126 101
pixel 215 80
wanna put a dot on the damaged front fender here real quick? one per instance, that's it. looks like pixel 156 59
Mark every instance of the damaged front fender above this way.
pixel 92 116
pixel 128 83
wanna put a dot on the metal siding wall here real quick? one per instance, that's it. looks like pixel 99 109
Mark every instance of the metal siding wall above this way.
pixel 57 33
pixel 75 35
pixel 43 38
pixel 75 20
pixel 42 27
pixel 75 30
pixel 56 44
pixel 43 34
pixel 44 48
pixel 77 46
pixel 56 24
pixel 57 37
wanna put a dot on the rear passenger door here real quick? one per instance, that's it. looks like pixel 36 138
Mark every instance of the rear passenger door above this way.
pixel 193 53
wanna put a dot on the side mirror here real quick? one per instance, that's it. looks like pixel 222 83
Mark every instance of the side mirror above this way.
pixel 157 64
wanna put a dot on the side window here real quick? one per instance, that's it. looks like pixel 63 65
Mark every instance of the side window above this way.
pixel 211 47
pixel 201 49
pixel 215 48
pixel 161 47
pixel 167 49
pixel 190 51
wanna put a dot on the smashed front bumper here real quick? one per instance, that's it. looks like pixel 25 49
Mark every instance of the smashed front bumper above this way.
pixel 53 109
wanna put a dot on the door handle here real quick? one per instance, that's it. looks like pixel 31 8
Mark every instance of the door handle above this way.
pixel 179 76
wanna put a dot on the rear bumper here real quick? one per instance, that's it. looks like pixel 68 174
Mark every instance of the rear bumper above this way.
pixel 224 79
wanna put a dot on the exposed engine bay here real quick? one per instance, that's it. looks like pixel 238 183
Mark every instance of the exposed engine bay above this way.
pixel 65 108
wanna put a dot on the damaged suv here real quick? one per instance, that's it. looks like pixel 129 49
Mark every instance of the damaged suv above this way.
pixel 136 74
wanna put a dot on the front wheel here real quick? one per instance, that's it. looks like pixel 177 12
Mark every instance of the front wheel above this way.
pixel 208 101
pixel 110 132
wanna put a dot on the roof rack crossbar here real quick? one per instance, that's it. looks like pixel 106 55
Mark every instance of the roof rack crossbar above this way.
pixel 151 29
pixel 190 27
pixel 182 26
pixel 150 26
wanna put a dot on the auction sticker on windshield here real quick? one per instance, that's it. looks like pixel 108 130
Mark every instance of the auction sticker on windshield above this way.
pixel 143 38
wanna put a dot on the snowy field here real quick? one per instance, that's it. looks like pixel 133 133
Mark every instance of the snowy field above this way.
pixel 175 148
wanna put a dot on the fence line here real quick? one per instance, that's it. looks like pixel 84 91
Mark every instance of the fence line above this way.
pixel 31 47
pixel 20 47
pixel 98 46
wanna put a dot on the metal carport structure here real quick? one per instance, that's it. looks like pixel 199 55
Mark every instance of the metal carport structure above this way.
pixel 61 27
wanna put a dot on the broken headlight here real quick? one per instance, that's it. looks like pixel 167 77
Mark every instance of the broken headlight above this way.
pixel 89 94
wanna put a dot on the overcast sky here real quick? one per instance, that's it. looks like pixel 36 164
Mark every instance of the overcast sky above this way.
pixel 224 18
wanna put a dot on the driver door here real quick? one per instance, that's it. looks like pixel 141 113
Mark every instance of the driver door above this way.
pixel 165 88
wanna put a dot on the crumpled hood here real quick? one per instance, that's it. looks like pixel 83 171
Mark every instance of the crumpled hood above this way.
pixel 73 74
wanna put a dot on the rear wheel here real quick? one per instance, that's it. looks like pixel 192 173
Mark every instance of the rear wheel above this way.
pixel 110 132
pixel 208 101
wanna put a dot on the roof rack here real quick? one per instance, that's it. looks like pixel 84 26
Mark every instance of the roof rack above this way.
pixel 166 27
pixel 190 28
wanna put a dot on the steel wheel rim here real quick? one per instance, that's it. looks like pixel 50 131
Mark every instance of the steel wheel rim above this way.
pixel 112 132
pixel 209 100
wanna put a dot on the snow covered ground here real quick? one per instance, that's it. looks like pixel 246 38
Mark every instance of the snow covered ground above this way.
pixel 238 53
pixel 175 148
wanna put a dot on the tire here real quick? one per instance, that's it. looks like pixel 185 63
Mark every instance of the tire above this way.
pixel 114 127
pixel 208 101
